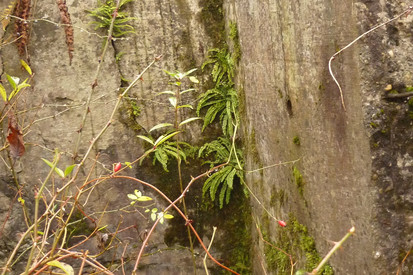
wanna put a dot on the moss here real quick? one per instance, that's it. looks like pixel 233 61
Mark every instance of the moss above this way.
pixel 212 17
pixel 233 35
pixel 373 125
pixel 298 179
pixel 410 108
pixel 129 113
pixel 78 225
pixel 295 240
pixel 296 140
pixel 277 197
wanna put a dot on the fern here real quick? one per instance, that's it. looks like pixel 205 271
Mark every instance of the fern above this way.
pixel 221 181
pixel 168 150
pixel 103 15
pixel 221 102
pixel 223 69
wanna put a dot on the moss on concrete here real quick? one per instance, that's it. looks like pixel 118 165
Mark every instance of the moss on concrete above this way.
pixel 295 240
pixel 212 17
pixel 298 179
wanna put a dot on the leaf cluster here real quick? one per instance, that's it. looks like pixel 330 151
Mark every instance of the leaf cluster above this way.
pixel 103 16
pixel 138 197
pixel 164 149
pixel 15 84
pixel 222 150
pixel 222 100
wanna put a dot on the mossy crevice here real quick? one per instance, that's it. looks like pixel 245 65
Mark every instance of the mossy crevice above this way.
pixel 296 241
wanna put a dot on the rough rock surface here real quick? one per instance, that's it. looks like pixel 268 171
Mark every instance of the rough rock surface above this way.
pixel 356 163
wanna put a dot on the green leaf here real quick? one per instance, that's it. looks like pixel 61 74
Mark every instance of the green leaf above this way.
pixel 63 266
pixel 13 81
pixel 27 67
pixel 3 93
pixel 19 87
pixel 144 198
pixel 163 138
pixel 127 163
pixel 57 170
pixel 21 200
pixel 69 169
pixel 146 139
pixel 132 197
pixel 154 210
pixel 193 79
pixel 186 106
pixel 161 125
pixel 166 92
pixel 172 100
pixel 189 72
pixel 153 216
pixel 168 216
pixel 60 172
pixel 138 193
pixel 188 120
pixel 188 90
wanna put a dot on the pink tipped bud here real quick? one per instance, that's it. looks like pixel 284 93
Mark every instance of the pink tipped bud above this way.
pixel 117 167
pixel 282 223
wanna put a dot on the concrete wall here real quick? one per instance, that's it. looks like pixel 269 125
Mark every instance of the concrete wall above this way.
pixel 356 164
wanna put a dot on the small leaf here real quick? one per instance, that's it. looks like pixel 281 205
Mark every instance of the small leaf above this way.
pixel 188 120
pixel 146 139
pixel 21 200
pixel 190 71
pixel 189 90
pixel 161 125
pixel 57 170
pixel 103 227
pixel 69 169
pixel 13 81
pixel 166 92
pixel 3 93
pixel 138 193
pixel 60 172
pixel 186 106
pixel 144 198
pixel 168 216
pixel 163 138
pixel 27 67
pixel 63 266
pixel 147 210
pixel 128 164
pixel 132 197
pixel 153 216
pixel 194 79
pixel 154 210
pixel 172 100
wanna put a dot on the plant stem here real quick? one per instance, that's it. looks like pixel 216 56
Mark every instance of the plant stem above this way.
pixel 209 247
pixel 36 211
pixel 406 11
pixel 179 160
pixel 95 82
pixel 334 249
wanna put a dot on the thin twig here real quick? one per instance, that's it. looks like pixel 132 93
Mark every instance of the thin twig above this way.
pixel 406 11
pixel 95 81
pixel 334 249
pixel 209 247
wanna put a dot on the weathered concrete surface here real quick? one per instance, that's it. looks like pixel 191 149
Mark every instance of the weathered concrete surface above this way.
pixel 55 104
pixel 356 165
